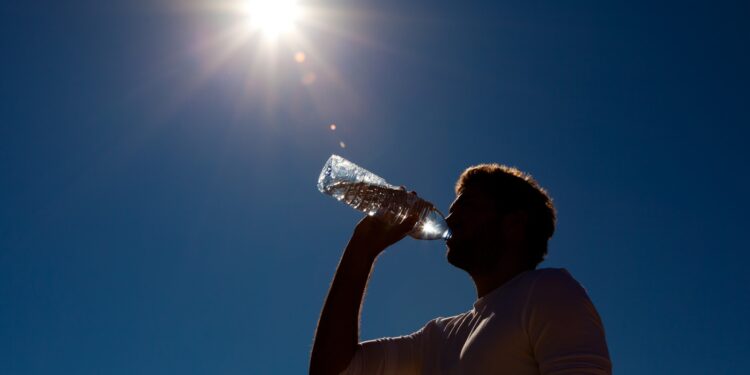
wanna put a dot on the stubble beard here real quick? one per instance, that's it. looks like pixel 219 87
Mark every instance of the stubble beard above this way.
pixel 473 258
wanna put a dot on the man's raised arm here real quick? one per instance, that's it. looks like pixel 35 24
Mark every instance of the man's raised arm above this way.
pixel 337 336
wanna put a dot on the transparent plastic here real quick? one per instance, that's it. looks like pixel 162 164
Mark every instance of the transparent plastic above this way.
pixel 371 194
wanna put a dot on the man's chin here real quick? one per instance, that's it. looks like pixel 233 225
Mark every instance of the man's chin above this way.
pixel 463 256
pixel 454 258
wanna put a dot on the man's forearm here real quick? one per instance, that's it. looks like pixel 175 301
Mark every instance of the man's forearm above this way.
pixel 337 336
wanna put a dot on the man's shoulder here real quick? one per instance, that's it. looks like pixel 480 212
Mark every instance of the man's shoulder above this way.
pixel 556 282
pixel 553 277
pixel 540 278
pixel 552 272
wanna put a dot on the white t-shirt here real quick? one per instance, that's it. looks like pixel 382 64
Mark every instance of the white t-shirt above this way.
pixel 540 322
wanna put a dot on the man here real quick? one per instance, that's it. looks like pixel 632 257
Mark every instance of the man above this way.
pixel 525 320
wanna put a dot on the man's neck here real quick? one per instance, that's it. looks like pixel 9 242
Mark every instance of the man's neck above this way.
pixel 491 280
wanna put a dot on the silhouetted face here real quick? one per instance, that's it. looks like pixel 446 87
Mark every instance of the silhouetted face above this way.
pixel 474 224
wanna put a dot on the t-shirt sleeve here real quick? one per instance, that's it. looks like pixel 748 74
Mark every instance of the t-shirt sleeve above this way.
pixel 390 355
pixel 565 330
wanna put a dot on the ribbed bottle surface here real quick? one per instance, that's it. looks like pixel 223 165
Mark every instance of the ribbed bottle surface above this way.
pixel 371 194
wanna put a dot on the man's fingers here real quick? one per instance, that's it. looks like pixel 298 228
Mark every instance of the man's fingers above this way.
pixel 408 224
pixel 403 188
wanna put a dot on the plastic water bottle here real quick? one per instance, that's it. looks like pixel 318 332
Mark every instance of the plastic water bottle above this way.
pixel 366 192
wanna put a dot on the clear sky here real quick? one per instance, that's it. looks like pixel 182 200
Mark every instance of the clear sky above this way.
pixel 158 161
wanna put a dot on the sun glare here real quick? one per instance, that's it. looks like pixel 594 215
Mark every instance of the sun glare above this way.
pixel 270 47
pixel 429 227
pixel 273 17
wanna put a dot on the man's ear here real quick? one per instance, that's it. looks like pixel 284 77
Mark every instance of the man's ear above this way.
pixel 514 225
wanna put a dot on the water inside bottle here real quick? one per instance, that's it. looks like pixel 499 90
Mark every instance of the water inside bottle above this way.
pixel 432 227
pixel 392 205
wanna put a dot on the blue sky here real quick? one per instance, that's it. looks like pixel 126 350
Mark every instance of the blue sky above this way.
pixel 159 210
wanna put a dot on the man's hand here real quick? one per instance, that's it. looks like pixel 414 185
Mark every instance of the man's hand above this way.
pixel 373 235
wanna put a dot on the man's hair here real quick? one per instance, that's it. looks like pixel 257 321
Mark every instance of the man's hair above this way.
pixel 515 190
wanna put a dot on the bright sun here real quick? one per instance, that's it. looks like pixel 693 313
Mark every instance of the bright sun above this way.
pixel 273 17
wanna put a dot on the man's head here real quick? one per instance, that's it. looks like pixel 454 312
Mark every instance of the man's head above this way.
pixel 498 210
